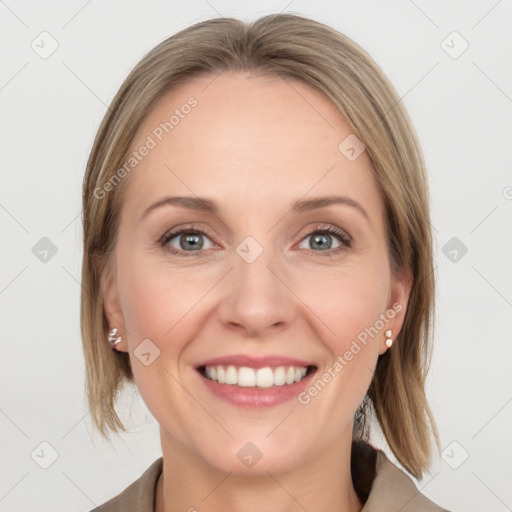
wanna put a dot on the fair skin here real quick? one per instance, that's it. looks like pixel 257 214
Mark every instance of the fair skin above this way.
pixel 254 145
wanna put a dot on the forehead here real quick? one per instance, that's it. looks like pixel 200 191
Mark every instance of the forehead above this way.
pixel 253 138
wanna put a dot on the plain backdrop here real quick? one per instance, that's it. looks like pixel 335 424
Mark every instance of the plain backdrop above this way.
pixel 51 105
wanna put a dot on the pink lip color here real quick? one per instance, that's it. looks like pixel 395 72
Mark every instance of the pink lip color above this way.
pixel 256 397
pixel 254 362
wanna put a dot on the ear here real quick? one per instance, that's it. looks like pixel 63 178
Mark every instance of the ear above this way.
pixel 112 306
pixel 401 286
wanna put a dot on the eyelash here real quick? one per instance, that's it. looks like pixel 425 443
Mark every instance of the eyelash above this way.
pixel 344 238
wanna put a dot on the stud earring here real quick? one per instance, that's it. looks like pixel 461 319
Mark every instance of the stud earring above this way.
pixel 389 341
pixel 112 337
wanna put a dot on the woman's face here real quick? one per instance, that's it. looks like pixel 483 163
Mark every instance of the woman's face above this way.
pixel 256 286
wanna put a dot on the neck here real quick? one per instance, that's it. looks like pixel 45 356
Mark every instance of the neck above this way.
pixel 187 483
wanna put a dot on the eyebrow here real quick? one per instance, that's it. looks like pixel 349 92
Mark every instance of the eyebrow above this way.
pixel 210 206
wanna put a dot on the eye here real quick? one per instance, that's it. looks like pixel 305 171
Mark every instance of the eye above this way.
pixel 186 240
pixel 191 241
pixel 321 240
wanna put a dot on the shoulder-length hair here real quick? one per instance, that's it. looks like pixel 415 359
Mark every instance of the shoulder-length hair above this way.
pixel 291 47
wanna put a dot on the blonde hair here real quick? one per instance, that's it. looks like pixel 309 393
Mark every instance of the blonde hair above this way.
pixel 287 46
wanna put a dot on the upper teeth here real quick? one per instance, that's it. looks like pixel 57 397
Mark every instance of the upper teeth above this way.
pixel 261 377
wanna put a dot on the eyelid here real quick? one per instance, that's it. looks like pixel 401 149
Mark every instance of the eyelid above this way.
pixel 190 226
pixel 344 237
pixel 331 229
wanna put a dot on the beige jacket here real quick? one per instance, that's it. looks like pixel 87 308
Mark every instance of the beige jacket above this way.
pixel 381 486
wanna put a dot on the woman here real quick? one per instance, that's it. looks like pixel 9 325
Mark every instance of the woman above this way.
pixel 257 259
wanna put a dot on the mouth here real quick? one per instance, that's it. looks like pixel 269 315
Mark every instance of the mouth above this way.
pixel 259 378
pixel 257 382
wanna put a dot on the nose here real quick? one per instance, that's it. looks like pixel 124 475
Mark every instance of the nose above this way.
pixel 255 299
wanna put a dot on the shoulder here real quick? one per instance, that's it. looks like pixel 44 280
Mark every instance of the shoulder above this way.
pixel 393 490
pixel 138 496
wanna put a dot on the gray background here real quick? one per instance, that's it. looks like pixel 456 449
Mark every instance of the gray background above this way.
pixel 51 108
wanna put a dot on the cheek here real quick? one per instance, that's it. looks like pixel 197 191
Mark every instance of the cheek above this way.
pixel 347 302
pixel 155 301
pixel 155 308
pixel 351 305
pixel 148 312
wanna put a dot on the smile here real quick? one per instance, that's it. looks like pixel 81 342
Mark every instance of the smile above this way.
pixel 245 376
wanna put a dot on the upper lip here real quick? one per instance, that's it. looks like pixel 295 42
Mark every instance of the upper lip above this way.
pixel 254 362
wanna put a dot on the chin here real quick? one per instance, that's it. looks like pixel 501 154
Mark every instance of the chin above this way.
pixel 254 458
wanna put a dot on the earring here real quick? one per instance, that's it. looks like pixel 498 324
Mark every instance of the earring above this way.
pixel 112 337
pixel 389 341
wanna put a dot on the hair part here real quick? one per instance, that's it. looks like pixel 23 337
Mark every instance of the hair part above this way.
pixel 290 47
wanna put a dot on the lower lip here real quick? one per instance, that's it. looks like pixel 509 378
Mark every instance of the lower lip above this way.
pixel 256 397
